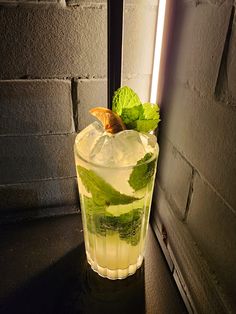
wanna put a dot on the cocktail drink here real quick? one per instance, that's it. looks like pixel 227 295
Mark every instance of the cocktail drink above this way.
pixel 116 175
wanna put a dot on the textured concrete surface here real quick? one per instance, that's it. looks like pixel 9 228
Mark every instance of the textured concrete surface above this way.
pixel 139 37
pixel 127 2
pixel 142 2
pixel 197 59
pixel 53 69
pixel 86 2
pixel 25 159
pixel 140 84
pixel 199 119
pixel 231 63
pixel 90 94
pixel 40 194
pixel 174 176
pixel 52 42
pixel 44 270
pixel 35 106
pixel 30 2
pixel 200 284
pixel 204 132
pixel 213 226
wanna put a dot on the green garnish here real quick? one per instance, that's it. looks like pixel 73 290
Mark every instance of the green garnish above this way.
pixel 102 192
pixel 137 116
pixel 102 222
pixel 142 173
pixel 124 97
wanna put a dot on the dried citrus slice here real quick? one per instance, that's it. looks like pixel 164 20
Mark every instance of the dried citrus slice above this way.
pixel 110 120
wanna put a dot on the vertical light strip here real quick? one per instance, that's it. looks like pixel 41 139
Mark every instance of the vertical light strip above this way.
pixel 158 48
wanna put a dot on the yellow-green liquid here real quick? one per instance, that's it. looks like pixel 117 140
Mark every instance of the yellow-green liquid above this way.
pixel 115 236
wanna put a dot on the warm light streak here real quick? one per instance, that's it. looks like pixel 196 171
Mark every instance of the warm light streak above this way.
pixel 158 49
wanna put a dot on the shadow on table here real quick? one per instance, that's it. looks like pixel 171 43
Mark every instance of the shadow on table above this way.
pixel 70 286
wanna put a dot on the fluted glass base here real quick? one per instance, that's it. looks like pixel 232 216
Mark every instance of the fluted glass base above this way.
pixel 114 274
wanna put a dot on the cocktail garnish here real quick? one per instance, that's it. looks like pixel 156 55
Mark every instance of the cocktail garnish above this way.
pixel 111 121
pixel 135 115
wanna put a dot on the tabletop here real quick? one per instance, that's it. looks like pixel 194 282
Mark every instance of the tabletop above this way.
pixel 43 269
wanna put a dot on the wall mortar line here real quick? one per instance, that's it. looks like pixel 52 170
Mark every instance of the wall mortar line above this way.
pixel 190 195
pixel 197 171
pixel 210 272
pixel 75 101
pixel 48 78
pixel 36 134
pixel 36 181
pixel 222 72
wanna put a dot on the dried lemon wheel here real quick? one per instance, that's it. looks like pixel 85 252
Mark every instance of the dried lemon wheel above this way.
pixel 111 121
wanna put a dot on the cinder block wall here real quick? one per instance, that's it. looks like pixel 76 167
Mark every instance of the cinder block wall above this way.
pixel 53 69
pixel 195 200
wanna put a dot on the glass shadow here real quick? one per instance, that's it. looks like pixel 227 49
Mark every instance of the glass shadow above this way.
pixel 92 294
pixel 70 286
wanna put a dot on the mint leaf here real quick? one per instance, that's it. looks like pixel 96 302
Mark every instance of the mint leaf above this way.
pixel 130 115
pixel 129 226
pixel 102 222
pixel 102 192
pixel 142 173
pixel 140 117
pixel 150 112
pixel 93 213
pixel 143 125
pixel 124 97
pixel 92 207
pixel 147 119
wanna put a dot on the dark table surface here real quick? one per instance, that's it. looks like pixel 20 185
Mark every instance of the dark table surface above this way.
pixel 43 269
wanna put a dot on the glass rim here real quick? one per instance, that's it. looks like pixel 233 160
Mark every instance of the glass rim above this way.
pixel 153 157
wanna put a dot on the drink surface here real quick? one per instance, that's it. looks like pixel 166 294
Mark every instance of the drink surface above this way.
pixel 115 177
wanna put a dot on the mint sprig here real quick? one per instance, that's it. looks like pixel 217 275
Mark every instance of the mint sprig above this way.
pixel 140 117
pixel 100 221
pixel 142 173
pixel 102 192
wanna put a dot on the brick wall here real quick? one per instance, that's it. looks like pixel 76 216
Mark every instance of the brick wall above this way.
pixel 195 200
pixel 52 70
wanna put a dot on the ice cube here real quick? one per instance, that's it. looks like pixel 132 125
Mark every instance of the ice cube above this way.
pixel 113 150
pixel 102 152
pixel 122 149
pixel 86 139
pixel 149 142
pixel 130 147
